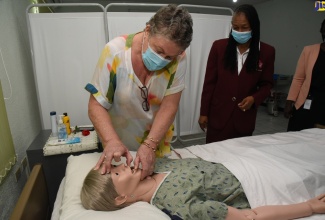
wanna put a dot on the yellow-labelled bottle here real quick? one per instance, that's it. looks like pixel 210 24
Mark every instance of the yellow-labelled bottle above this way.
pixel 66 121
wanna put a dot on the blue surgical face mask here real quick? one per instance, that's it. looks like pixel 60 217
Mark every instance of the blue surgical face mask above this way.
pixel 241 37
pixel 152 60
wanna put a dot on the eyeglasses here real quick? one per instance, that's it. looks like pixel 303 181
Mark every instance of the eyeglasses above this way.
pixel 144 95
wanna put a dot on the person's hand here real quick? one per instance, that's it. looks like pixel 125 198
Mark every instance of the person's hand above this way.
pixel 317 204
pixel 288 108
pixel 115 150
pixel 247 103
pixel 147 157
pixel 203 122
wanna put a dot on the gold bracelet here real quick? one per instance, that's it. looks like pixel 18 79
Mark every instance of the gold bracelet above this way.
pixel 148 145
pixel 153 140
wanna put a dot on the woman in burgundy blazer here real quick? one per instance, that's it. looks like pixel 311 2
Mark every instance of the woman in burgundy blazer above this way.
pixel 239 76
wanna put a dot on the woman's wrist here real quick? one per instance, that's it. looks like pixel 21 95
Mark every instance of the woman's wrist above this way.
pixel 112 141
pixel 147 144
pixel 153 140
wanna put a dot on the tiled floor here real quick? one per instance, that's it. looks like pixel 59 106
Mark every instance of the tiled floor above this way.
pixel 269 124
pixel 265 124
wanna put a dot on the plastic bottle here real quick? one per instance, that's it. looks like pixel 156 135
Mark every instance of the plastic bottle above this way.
pixel 66 121
pixel 54 124
pixel 62 132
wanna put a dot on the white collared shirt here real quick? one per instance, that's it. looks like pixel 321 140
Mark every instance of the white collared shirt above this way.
pixel 241 58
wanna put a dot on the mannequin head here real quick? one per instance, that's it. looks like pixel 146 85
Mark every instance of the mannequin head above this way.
pixel 116 190
pixel 98 192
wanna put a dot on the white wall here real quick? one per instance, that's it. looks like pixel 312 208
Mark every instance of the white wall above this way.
pixel 289 26
pixel 22 107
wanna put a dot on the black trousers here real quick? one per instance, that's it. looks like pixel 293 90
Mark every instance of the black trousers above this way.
pixel 305 118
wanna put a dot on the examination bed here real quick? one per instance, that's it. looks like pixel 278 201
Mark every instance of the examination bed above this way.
pixel 279 168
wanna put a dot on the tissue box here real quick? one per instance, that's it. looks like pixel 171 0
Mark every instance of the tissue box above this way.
pixel 89 142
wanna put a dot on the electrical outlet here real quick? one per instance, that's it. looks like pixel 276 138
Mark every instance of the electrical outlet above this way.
pixel 18 174
pixel 24 163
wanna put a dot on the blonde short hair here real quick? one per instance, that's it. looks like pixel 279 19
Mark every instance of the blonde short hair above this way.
pixel 98 192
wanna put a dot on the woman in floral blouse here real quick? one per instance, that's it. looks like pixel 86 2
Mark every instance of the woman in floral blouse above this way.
pixel 136 88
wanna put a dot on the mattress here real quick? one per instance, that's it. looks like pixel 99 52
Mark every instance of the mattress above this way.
pixel 281 168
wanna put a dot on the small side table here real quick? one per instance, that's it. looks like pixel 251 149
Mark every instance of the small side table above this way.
pixel 53 166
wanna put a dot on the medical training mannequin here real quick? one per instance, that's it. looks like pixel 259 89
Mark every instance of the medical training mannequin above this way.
pixel 185 189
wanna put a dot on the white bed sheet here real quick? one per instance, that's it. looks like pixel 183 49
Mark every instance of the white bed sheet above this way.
pixel 281 168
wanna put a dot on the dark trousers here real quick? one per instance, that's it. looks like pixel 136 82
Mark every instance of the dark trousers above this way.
pixel 301 119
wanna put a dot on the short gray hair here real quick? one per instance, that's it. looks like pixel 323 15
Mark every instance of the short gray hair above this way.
pixel 174 23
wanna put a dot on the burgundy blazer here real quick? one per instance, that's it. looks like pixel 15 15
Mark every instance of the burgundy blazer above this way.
pixel 223 89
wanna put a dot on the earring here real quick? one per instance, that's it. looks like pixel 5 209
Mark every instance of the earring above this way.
pixel 132 196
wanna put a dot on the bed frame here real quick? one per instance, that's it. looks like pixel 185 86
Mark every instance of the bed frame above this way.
pixel 33 202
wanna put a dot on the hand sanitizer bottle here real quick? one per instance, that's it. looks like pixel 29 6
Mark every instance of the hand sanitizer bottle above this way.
pixel 62 131
pixel 54 124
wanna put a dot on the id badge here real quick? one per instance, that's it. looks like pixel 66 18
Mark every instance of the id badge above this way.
pixel 307 104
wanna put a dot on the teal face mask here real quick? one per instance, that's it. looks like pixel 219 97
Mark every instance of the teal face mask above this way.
pixel 241 37
pixel 152 60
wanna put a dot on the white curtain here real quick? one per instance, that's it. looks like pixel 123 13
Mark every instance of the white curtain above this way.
pixel 66 48
pixel 120 23
pixel 206 29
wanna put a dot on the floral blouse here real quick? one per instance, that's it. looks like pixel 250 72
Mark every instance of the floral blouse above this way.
pixel 116 87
